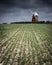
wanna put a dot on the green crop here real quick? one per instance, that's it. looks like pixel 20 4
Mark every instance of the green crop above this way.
pixel 26 44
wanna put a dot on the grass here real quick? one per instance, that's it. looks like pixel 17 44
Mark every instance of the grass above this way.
pixel 26 44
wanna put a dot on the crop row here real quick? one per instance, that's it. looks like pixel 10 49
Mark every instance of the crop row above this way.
pixel 27 46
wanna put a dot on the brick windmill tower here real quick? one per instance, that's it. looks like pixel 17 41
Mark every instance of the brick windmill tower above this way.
pixel 35 17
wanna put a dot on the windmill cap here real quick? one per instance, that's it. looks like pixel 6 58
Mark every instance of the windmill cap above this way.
pixel 35 14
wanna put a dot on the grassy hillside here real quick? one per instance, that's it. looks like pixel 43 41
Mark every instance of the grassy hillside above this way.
pixel 26 44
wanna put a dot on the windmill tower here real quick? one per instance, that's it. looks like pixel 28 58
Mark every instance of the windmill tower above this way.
pixel 34 16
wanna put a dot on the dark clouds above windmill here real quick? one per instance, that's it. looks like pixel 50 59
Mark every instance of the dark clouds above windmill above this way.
pixel 25 3
pixel 20 9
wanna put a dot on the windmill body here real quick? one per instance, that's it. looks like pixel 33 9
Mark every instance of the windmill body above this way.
pixel 34 16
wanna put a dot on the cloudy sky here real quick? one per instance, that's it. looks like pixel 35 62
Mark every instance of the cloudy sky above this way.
pixel 20 10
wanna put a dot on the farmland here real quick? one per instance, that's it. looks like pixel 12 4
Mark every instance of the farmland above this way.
pixel 26 44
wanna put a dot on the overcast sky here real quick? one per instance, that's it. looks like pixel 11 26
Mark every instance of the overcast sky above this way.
pixel 19 10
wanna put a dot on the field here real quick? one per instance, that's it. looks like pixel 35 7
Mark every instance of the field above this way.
pixel 26 44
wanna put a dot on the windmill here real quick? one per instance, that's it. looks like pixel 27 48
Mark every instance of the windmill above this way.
pixel 34 16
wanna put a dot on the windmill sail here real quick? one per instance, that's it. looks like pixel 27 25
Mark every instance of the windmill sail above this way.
pixel 31 11
pixel 35 13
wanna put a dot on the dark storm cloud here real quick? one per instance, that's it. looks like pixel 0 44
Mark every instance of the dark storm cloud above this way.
pixel 7 3
pixel 47 2
pixel 11 7
pixel 25 4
